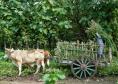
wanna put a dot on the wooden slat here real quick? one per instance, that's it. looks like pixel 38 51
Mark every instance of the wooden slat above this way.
pixel 72 50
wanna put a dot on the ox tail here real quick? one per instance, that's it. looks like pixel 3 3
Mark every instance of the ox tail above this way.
pixel 47 59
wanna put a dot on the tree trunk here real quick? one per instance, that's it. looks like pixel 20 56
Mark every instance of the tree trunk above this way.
pixel 37 45
pixel 4 44
pixel 110 55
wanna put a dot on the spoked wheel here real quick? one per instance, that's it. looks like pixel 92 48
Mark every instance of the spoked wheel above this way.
pixel 83 68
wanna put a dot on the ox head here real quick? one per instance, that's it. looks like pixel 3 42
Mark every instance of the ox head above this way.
pixel 47 54
pixel 8 51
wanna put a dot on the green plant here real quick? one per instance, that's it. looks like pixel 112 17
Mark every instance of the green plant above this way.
pixel 21 26
pixel 7 69
pixel 3 57
pixel 111 69
pixel 52 76
pixel 1 54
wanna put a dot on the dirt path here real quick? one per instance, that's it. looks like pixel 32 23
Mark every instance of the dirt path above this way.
pixel 89 81
pixel 106 80
pixel 20 82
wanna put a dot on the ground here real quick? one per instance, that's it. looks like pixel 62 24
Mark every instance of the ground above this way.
pixel 34 80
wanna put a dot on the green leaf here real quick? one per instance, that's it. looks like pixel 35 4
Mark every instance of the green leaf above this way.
pixel 61 76
pixel 46 77
pixel 45 31
pixel 51 2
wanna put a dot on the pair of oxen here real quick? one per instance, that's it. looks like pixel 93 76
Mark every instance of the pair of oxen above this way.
pixel 39 57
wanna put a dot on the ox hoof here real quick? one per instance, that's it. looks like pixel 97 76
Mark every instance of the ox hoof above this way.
pixel 19 74
pixel 35 73
pixel 40 80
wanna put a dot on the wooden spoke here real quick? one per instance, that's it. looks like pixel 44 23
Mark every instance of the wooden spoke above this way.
pixel 79 62
pixel 91 66
pixel 76 64
pixel 83 68
pixel 85 74
pixel 85 61
pixel 88 72
pixel 90 69
pixel 76 68
pixel 88 63
pixel 81 74
pixel 82 60
pixel 78 72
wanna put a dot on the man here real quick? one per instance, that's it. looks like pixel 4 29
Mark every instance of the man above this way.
pixel 101 46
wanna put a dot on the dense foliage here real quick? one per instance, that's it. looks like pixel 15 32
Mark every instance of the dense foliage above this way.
pixel 25 24
pixel 40 23
pixel 101 11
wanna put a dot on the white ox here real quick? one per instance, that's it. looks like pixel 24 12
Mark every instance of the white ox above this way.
pixel 20 57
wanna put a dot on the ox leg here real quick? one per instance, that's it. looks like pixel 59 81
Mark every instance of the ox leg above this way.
pixel 19 68
pixel 48 62
pixel 31 65
pixel 15 63
pixel 43 65
pixel 38 67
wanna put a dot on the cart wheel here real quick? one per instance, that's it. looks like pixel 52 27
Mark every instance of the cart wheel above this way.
pixel 83 68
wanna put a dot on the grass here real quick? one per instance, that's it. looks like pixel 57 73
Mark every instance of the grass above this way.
pixel 7 69
pixel 109 70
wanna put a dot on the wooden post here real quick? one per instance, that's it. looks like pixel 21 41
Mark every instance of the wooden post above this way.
pixel 78 47
pixel 4 44
pixel 82 45
pixel 37 45
pixel 110 54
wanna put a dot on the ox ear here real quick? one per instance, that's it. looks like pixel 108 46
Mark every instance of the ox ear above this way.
pixel 12 50
pixel 6 49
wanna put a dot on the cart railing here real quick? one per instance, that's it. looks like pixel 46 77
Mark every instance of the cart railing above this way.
pixel 74 50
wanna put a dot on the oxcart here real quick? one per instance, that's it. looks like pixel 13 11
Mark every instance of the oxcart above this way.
pixel 82 57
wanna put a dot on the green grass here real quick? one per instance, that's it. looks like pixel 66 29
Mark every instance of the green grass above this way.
pixel 109 70
pixel 7 69
pixel 1 54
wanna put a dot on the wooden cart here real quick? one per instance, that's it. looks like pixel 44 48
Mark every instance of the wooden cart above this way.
pixel 82 57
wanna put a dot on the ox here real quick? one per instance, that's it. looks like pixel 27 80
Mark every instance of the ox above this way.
pixel 20 57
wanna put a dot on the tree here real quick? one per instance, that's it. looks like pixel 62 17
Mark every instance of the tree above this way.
pixel 32 22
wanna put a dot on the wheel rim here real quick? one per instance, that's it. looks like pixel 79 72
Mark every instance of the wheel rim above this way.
pixel 83 68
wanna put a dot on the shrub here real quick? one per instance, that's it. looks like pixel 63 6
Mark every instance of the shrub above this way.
pixel 65 68
pixel 1 54
pixel 7 69
pixel 52 76
pixel 111 69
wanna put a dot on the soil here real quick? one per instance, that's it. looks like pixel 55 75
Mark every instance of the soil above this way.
pixel 33 79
